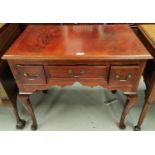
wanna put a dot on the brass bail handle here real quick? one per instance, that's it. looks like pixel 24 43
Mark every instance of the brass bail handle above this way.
pixel 123 80
pixel 30 77
pixel 76 76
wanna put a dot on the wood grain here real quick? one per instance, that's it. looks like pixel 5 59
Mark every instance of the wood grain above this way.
pixel 148 31
pixel 77 42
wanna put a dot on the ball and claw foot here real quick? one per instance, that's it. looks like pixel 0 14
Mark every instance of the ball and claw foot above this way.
pixel 34 127
pixel 122 126
pixel 20 124
pixel 137 128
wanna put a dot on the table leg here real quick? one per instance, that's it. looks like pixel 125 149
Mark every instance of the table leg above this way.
pixel 145 109
pixel 20 122
pixel 131 100
pixel 28 106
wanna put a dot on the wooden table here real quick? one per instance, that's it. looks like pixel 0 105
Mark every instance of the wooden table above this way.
pixel 8 87
pixel 107 55
pixel 147 36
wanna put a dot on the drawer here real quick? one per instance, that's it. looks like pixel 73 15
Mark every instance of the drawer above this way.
pixel 124 75
pixel 31 74
pixel 76 72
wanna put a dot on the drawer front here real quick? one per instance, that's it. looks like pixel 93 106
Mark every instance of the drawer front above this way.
pixel 31 74
pixel 124 75
pixel 76 72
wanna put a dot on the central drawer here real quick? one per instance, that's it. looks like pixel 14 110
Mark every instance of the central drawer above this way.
pixel 76 72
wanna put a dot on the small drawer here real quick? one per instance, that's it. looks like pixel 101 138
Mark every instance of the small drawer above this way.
pixel 124 75
pixel 76 72
pixel 31 74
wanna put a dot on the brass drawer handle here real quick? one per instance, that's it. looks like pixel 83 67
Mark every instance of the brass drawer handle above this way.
pixel 30 77
pixel 117 77
pixel 71 72
pixel 76 76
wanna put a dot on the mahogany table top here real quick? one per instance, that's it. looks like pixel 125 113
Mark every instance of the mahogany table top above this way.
pixel 77 42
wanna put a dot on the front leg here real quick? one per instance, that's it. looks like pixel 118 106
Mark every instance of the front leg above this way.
pixel 131 100
pixel 28 106
pixel 20 122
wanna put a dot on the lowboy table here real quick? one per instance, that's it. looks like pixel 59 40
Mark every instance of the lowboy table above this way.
pixel 93 54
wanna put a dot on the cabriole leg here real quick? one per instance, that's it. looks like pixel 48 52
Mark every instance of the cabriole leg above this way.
pixel 131 100
pixel 28 106
pixel 20 122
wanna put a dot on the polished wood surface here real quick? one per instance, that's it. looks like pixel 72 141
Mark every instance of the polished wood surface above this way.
pixel 51 42
pixel 77 72
pixel 124 75
pixel 147 36
pixel 93 54
pixel 36 75
pixel 8 34
pixel 148 31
